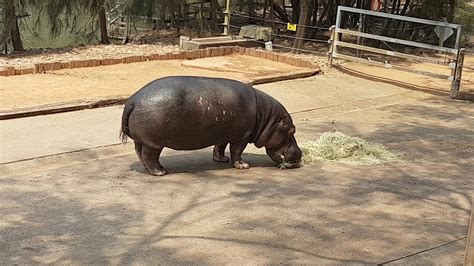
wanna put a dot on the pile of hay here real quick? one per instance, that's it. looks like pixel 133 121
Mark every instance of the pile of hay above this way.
pixel 336 146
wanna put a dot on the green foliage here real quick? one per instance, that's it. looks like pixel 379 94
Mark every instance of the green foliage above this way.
pixel 464 15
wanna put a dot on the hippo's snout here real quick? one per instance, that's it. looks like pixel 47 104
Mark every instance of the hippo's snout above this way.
pixel 287 157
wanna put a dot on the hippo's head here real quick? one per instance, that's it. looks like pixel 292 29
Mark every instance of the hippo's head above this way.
pixel 281 144
pixel 289 154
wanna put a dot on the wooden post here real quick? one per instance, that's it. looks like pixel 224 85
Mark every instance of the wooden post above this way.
pixel 469 256
pixel 331 44
pixel 358 54
pixel 227 18
pixel 457 73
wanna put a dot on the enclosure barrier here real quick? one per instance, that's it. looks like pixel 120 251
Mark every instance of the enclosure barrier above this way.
pixel 456 67
pixel 182 55
pixel 273 34
pixel 228 26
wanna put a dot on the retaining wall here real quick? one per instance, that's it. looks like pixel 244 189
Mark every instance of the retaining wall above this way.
pixel 182 55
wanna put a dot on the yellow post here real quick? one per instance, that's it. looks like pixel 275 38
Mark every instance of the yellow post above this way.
pixel 227 18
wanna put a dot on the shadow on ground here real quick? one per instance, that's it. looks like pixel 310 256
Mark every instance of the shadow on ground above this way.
pixel 109 211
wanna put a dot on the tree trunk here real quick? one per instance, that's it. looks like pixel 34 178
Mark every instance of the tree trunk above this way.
pixel 323 13
pixel 126 36
pixel 331 11
pixel 315 13
pixel 283 4
pixel 184 13
pixel 8 19
pixel 16 37
pixel 104 38
pixel 173 14
pixel 265 5
pixel 11 27
pixel 388 22
pixel 201 7
pixel 314 19
pixel 279 12
pixel 213 14
pixel 304 19
pixel 452 9
pixel 295 15
pixel 405 8
pixel 251 6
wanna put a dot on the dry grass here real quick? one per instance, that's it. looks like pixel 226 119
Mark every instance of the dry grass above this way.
pixel 336 146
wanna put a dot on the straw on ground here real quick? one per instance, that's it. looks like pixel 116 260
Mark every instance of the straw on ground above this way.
pixel 336 146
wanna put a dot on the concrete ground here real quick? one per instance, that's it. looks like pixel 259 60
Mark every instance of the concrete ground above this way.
pixel 98 205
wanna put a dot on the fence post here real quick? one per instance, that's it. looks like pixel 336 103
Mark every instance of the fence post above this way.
pixel 469 257
pixel 227 18
pixel 332 33
pixel 338 26
pixel 334 36
pixel 361 19
pixel 457 73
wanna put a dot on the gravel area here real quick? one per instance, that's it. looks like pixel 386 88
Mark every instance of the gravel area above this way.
pixel 29 58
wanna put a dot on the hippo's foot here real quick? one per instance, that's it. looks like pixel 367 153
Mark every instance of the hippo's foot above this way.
pixel 221 159
pixel 241 165
pixel 150 158
pixel 159 172
pixel 218 154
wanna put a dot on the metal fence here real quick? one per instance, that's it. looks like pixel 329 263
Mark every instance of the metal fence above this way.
pixel 276 26
pixel 457 54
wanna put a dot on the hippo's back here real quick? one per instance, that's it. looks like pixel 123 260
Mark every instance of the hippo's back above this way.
pixel 187 113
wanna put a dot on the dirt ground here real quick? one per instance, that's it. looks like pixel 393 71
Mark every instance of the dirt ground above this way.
pixel 98 205
pixel 124 79
pixel 416 81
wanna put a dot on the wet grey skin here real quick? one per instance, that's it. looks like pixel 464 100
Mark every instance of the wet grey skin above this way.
pixel 190 113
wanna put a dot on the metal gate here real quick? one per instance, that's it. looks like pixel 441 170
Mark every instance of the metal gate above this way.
pixel 455 63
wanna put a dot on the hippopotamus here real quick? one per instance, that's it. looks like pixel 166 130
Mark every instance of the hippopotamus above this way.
pixel 190 113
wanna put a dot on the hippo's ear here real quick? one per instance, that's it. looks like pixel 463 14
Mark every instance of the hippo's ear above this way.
pixel 288 124
pixel 286 119
pixel 292 131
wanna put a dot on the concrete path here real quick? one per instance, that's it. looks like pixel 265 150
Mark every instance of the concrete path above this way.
pixel 59 133
pixel 100 207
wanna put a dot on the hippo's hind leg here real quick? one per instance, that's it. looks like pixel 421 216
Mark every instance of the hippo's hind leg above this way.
pixel 219 153
pixel 138 151
pixel 150 157
pixel 236 149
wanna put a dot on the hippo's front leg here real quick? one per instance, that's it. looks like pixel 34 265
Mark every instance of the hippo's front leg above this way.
pixel 219 153
pixel 151 159
pixel 236 149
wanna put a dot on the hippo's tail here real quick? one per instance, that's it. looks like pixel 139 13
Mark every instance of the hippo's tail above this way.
pixel 125 131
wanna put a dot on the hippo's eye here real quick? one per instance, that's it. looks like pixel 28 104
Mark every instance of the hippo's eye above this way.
pixel 282 156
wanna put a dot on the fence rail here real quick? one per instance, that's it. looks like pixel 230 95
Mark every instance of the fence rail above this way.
pixel 458 54
pixel 228 25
